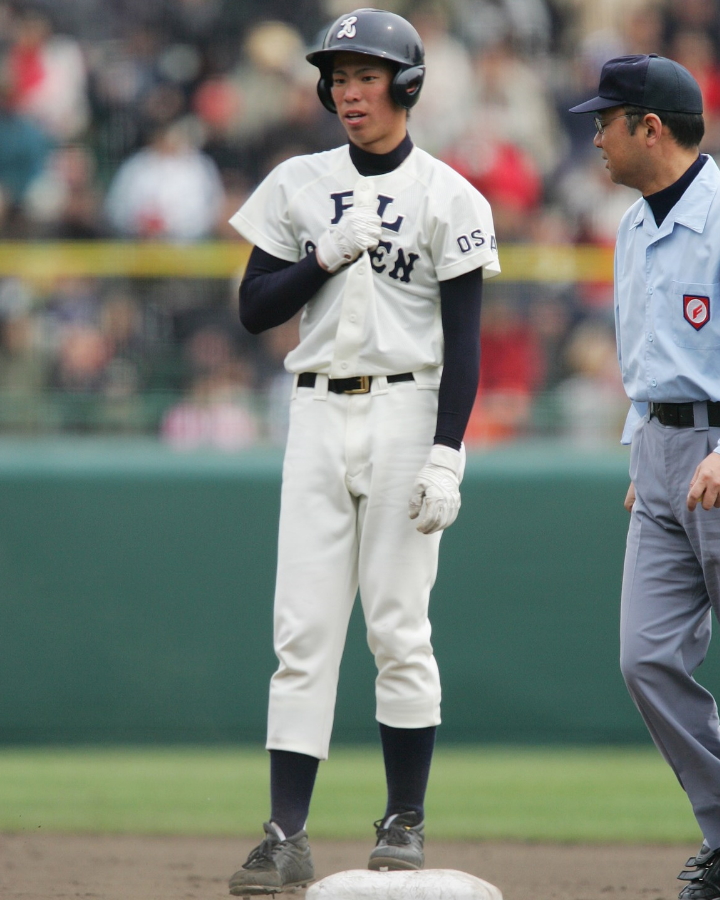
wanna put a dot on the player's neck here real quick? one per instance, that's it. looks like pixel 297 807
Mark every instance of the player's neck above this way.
pixel 380 163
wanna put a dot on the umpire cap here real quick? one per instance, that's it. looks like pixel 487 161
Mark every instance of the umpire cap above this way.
pixel 374 32
pixel 651 82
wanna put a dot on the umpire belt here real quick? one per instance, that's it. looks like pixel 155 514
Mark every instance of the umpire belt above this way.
pixel 680 415
pixel 360 384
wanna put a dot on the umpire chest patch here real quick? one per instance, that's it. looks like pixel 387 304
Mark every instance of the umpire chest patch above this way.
pixel 696 310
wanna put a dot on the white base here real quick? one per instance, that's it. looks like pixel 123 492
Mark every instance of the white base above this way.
pixel 422 884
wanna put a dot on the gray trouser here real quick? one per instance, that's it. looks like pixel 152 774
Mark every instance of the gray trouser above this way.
pixel 671 583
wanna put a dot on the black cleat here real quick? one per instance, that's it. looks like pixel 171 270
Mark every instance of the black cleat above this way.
pixel 276 865
pixel 400 840
pixel 704 880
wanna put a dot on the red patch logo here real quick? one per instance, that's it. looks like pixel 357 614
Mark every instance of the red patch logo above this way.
pixel 696 310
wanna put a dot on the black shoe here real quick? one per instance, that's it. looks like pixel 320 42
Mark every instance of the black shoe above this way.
pixel 276 864
pixel 705 877
pixel 400 840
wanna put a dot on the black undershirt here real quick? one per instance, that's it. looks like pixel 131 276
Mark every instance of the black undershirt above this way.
pixel 273 290
pixel 661 202
pixel 380 163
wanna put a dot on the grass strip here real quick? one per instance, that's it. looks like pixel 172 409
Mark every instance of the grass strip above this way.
pixel 532 794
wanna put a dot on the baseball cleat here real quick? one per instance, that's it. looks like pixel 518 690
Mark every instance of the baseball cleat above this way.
pixel 400 840
pixel 279 863
pixel 704 879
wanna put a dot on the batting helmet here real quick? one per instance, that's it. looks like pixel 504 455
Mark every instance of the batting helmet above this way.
pixel 374 32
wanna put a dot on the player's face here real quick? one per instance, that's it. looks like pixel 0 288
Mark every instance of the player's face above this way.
pixel 621 150
pixel 361 93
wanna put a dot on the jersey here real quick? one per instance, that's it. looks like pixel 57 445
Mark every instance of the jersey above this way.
pixel 435 226
pixel 667 298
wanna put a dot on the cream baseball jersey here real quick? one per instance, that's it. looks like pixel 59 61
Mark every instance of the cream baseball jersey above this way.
pixel 381 315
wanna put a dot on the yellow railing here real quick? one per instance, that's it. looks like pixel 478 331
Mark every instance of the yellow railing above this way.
pixel 38 260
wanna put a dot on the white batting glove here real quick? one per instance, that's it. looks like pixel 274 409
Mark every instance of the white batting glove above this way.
pixel 359 229
pixel 435 497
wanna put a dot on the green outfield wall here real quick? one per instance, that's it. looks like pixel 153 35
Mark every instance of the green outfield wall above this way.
pixel 137 587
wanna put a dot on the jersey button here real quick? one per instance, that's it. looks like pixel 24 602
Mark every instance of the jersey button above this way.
pixel 650 290
pixel 343 365
pixel 653 383
pixel 650 337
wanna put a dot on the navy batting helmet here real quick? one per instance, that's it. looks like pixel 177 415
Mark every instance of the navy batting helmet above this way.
pixel 374 32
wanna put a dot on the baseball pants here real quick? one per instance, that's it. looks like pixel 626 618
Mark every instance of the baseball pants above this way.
pixel 350 464
pixel 671 585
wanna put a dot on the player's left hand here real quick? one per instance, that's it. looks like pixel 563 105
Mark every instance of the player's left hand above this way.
pixel 705 484
pixel 435 498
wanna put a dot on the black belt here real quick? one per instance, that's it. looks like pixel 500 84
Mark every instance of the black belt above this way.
pixel 680 415
pixel 360 384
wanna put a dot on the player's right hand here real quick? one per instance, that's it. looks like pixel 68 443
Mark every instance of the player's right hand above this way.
pixel 359 229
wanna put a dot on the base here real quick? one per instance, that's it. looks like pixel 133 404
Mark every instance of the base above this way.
pixel 421 884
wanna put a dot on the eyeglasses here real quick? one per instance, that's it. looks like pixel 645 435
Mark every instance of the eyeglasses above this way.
pixel 601 126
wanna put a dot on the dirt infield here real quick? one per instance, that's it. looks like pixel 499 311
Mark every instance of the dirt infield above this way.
pixel 40 867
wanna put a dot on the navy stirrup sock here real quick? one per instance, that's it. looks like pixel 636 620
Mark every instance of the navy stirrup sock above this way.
pixel 292 779
pixel 407 753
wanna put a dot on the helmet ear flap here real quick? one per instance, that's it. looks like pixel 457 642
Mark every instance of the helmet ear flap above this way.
pixel 325 94
pixel 406 85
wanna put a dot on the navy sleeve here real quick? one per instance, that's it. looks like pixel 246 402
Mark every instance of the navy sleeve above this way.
pixel 273 290
pixel 460 302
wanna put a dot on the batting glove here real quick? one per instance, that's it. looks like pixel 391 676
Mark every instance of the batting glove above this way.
pixel 435 497
pixel 359 229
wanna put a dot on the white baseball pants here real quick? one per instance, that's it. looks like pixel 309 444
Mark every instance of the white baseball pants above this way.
pixel 350 464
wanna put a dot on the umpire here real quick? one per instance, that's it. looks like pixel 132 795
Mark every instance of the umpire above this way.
pixel 648 117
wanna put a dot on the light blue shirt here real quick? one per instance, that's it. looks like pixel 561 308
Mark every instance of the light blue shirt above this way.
pixel 667 300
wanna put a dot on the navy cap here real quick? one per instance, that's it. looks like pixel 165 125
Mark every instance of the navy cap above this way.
pixel 652 82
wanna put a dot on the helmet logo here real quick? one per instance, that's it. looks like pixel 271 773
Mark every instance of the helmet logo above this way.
pixel 348 29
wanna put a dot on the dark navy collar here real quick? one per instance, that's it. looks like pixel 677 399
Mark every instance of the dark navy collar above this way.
pixel 661 202
pixel 380 163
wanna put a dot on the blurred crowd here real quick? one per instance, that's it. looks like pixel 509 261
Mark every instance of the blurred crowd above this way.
pixel 154 119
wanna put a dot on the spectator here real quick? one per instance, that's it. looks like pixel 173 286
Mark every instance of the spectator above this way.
pixel 504 174
pixel 511 370
pixel 694 49
pixel 448 89
pixel 593 204
pixel 527 24
pixel 64 202
pixel 696 15
pixel 217 413
pixel 591 400
pixel 516 106
pixel 601 24
pixel 123 74
pixel 48 76
pixel 82 359
pixel 23 365
pixel 307 128
pixel 170 190
pixel 273 53
pixel 24 148
pixel 643 30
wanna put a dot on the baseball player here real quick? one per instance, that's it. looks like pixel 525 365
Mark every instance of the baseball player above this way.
pixel 667 309
pixel 383 248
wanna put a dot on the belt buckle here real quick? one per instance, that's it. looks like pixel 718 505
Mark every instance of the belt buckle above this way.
pixel 364 386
